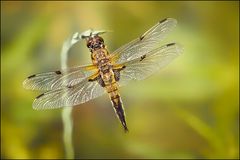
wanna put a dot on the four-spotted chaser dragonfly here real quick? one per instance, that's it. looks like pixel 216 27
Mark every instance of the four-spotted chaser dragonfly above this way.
pixel 108 71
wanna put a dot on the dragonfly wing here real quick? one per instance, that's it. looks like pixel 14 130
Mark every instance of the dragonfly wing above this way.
pixel 58 79
pixel 69 96
pixel 142 67
pixel 144 43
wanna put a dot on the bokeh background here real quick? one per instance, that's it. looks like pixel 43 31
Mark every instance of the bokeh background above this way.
pixel 190 109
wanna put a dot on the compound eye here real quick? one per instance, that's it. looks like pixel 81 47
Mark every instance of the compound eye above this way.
pixel 101 40
pixel 89 44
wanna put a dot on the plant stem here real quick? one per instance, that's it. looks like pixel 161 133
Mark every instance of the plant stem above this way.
pixel 67 135
pixel 67 111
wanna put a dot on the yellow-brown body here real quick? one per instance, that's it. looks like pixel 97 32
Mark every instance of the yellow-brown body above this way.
pixel 107 76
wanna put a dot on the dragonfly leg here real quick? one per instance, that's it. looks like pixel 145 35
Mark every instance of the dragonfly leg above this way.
pixel 97 77
pixel 91 67
pixel 94 77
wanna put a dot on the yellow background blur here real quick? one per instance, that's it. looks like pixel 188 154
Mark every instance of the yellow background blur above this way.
pixel 190 109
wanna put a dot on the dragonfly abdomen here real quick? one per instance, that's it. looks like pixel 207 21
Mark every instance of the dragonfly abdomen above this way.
pixel 113 92
pixel 107 76
pixel 118 108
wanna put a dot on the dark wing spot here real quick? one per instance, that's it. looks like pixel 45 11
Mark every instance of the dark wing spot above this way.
pixel 39 96
pixel 58 72
pixel 90 80
pixel 123 67
pixel 31 76
pixel 163 20
pixel 69 86
pixel 143 57
pixel 141 37
pixel 170 44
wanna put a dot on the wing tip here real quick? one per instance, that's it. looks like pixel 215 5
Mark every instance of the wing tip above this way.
pixel 38 106
pixel 179 49
pixel 35 104
pixel 42 104
pixel 35 107
pixel 25 83
pixel 177 46
pixel 28 83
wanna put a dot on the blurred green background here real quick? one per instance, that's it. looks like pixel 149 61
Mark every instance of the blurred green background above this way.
pixel 190 109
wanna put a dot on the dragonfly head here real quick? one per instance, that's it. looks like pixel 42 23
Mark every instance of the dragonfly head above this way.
pixel 94 41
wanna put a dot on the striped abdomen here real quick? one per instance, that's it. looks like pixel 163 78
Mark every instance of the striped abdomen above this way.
pixel 108 79
pixel 114 95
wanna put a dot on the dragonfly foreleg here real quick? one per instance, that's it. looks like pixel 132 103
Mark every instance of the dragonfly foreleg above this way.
pixel 97 77
pixel 94 77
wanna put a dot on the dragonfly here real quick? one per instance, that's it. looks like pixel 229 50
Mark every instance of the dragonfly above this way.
pixel 135 60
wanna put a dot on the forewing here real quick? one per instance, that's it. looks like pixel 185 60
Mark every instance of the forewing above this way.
pixel 58 79
pixel 144 43
pixel 65 97
pixel 142 67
